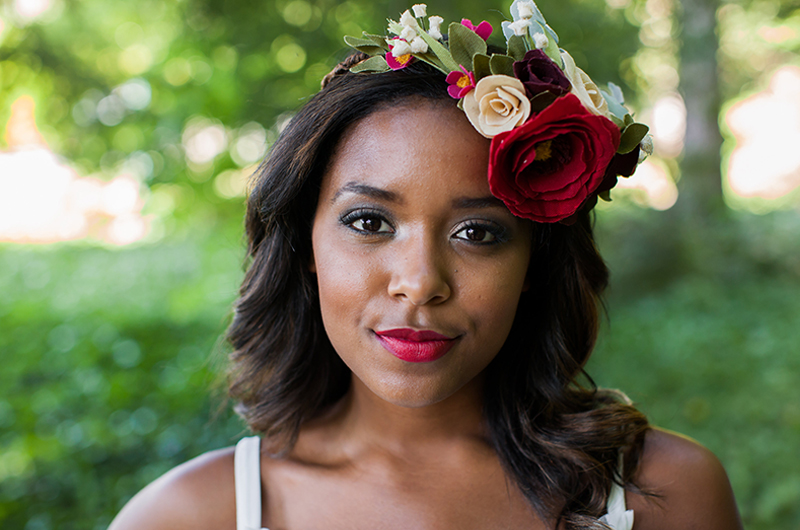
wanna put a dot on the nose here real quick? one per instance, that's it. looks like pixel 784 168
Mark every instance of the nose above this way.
pixel 419 273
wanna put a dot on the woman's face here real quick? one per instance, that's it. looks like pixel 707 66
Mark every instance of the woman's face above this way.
pixel 419 267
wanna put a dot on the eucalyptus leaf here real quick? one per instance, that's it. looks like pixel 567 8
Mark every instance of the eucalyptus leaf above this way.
pixel 616 91
pixel 614 106
pixel 373 64
pixel 631 137
pixel 480 66
pixel 363 45
pixel 502 65
pixel 464 43
pixel 442 53
pixel 517 47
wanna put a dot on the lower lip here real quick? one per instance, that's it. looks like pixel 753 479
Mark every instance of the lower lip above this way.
pixel 416 351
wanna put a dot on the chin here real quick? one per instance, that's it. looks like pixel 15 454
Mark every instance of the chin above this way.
pixel 409 392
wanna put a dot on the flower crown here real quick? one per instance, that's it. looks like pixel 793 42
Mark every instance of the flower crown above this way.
pixel 558 141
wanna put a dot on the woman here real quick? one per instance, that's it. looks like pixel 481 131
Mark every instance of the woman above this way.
pixel 410 333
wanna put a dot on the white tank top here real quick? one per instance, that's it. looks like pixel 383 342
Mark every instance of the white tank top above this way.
pixel 247 471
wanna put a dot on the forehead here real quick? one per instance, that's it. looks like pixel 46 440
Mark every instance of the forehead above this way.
pixel 416 146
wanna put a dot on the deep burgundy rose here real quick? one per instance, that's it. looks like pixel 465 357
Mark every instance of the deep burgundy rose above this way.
pixel 540 74
pixel 620 165
pixel 547 167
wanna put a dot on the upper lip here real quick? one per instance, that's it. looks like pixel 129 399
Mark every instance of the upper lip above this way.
pixel 413 335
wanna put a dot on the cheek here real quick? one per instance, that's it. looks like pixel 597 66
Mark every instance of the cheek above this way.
pixel 492 297
pixel 346 282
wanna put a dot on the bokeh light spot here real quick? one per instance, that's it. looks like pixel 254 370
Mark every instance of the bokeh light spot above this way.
pixel 650 186
pixel 203 140
pixel 32 9
pixel 178 71
pixel 291 57
pixel 297 13
pixel 766 160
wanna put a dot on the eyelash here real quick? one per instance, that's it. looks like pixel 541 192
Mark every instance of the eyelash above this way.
pixel 499 233
pixel 351 217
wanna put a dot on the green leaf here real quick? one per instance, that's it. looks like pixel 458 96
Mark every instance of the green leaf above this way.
pixel 395 27
pixel 431 59
pixel 502 65
pixel 605 195
pixel 436 47
pixel 552 50
pixel 373 64
pixel 379 40
pixel 631 137
pixel 517 47
pixel 541 101
pixel 480 66
pixel 363 45
pixel 464 43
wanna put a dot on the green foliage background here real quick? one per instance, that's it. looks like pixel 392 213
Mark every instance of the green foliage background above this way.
pixel 112 358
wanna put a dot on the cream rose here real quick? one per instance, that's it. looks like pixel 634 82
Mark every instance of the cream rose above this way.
pixel 584 88
pixel 498 104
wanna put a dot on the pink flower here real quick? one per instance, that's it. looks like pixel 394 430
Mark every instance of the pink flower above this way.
pixel 398 63
pixel 460 83
pixel 484 29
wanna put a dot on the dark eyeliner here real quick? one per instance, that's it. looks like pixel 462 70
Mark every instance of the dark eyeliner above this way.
pixel 499 232
pixel 348 218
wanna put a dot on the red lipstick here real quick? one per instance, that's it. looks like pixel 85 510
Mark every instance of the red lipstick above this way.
pixel 415 346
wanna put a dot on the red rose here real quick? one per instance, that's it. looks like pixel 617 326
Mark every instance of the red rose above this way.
pixel 544 169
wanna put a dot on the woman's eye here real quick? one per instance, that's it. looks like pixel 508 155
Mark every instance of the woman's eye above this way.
pixel 476 234
pixel 370 224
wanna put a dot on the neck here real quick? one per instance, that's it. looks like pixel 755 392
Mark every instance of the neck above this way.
pixel 363 422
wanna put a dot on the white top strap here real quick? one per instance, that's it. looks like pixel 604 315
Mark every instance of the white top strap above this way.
pixel 247 476
pixel 617 516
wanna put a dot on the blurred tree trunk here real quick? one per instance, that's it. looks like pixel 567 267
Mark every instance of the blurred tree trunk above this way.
pixel 701 183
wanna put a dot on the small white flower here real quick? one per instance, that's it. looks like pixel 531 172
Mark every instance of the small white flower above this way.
pixel 418 45
pixel 408 33
pixel 525 10
pixel 435 30
pixel 407 19
pixel 540 41
pixel 646 148
pixel 400 47
pixel 420 10
pixel 520 27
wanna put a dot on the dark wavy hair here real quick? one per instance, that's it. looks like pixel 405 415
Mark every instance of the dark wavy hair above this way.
pixel 559 440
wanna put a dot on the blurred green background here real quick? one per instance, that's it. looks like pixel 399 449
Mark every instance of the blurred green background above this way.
pixel 130 129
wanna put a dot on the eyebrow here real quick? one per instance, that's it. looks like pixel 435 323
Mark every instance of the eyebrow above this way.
pixel 369 191
pixel 460 203
pixel 466 203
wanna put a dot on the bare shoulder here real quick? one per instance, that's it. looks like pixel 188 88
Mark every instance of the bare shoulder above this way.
pixel 198 495
pixel 691 489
